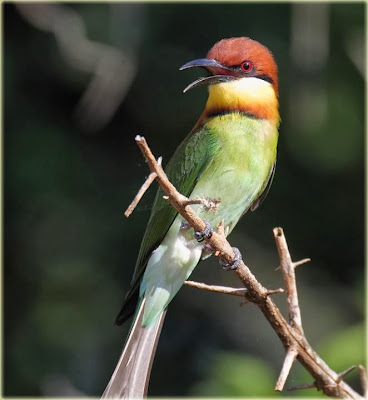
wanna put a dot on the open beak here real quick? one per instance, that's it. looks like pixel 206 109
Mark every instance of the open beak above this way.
pixel 218 72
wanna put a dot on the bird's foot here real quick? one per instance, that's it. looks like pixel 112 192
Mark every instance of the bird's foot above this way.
pixel 206 233
pixel 184 225
pixel 235 263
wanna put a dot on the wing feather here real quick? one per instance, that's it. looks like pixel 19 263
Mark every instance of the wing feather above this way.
pixel 184 169
pixel 264 192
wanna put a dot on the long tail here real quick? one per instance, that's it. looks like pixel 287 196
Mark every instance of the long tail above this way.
pixel 131 376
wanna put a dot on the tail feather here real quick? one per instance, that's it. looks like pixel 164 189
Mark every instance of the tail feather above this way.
pixel 131 376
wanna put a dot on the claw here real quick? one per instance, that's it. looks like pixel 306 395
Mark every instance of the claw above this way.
pixel 235 263
pixel 206 233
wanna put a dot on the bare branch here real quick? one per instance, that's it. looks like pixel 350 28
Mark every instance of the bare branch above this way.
pixel 151 177
pixel 288 273
pixel 288 363
pixel 219 289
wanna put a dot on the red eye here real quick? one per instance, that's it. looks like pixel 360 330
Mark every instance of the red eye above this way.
pixel 246 66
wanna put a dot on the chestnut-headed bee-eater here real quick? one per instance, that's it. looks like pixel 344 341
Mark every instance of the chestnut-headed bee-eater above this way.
pixel 230 154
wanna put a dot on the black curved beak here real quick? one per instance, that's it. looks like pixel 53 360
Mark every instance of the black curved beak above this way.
pixel 219 73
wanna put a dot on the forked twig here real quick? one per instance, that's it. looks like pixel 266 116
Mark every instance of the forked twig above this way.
pixel 151 178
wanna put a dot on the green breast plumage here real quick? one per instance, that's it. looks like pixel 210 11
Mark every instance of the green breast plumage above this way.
pixel 240 167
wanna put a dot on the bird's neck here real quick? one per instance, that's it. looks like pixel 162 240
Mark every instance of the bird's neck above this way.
pixel 251 96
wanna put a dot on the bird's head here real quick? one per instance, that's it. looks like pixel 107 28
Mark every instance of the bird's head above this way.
pixel 234 59
pixel 242 78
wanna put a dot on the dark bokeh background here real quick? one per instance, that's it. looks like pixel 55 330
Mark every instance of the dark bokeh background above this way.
pixel 80 81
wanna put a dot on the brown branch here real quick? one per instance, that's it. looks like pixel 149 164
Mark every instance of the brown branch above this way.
pixel 288 363
pixel 291 335
pixel 208 204
pixel 363 380
pixel 287 268
pixel 301 262
pixel 275 291
pixel 242 292
pixel 310 385
pixel 219 289
pixel 288 273
pixel 142 191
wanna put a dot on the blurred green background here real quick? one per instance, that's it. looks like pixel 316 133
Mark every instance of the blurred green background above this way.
pixel 80 81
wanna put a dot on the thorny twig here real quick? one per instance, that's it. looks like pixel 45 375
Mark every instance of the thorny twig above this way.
pixel 291 334
pixel 142 191
pixel 226 290
pixel 287 268
pixel 218 289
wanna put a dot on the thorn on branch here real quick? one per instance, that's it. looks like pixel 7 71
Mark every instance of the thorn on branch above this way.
pixel 344 373
pixel 301 262
pixel 222 231
pixel 221 228
pixel 244 302
pixel 274 291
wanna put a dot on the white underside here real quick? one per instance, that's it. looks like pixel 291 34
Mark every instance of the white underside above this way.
pixel 168 267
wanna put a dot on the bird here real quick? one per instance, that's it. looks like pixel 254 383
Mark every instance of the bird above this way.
pixel 229 155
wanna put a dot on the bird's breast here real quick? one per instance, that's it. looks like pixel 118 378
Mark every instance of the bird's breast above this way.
pixel 240 166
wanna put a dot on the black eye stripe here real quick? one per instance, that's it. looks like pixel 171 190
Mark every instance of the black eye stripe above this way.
pixel 266 78
pixel 253 72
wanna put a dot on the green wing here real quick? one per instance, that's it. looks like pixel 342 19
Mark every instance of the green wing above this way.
pixel 264 192
pixel 183 170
